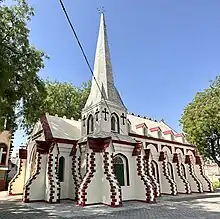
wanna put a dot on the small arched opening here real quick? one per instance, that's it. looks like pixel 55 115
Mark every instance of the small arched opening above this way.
pixel 155 170
pixel 90 124
pixel 61 169
pixel 115 127
pixel 121 169
pixel 3 153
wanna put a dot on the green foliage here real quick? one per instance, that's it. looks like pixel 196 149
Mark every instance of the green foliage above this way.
pixel 201 121
pixel 216 184
pixel 19 62
pixel 62 99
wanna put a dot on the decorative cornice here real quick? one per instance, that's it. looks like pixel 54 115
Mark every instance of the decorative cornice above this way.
pixel 160 140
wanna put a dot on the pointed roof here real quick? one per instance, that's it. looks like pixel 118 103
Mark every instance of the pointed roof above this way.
pixel 103 72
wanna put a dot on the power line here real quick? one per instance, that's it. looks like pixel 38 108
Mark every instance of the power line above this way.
pixel 84 55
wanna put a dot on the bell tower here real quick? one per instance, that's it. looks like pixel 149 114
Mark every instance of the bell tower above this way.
pixel 104 111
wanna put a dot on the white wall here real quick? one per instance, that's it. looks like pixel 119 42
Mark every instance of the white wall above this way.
pixel 66 187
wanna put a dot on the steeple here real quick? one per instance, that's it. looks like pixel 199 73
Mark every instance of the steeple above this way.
pixel 103 73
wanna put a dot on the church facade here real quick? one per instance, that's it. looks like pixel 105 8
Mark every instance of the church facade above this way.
pixel 110 155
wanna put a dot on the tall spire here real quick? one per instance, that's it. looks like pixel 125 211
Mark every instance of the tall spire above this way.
pixel 103 72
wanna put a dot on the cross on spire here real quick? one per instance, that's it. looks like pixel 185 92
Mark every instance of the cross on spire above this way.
pixel 101 10
pixel 105 112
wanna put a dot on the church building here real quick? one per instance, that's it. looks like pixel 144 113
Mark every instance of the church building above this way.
pixel 109 155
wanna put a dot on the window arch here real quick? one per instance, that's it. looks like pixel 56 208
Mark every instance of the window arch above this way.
pixel 61 169
pixel 155 170
pixel 3 153
pixel 90 125
pixel 120 163
pixel 115 123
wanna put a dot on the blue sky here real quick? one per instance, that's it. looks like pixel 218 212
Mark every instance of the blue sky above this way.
pixel 162 52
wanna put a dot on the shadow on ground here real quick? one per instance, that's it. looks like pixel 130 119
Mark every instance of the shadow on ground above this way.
pixel 205 206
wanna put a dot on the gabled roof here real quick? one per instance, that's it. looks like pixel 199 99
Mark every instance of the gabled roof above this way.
pixel 138 121
pixel 60 128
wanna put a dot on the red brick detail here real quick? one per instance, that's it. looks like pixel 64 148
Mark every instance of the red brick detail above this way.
pixel 150 197
pixel 148 172
pixel 137 149
pixel 84 185
pixel 32 178
pixel 163 159
pixel 162 156
pixel 52 173
pixel 177 162
pixel 77 178
pixel 23 154
pixel 99 145
pixel 202 172
pixel 188 161
pixel 115 188
pixel 15 177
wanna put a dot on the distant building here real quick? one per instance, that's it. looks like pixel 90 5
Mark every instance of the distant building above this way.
pixel 5 151
pixel 212 170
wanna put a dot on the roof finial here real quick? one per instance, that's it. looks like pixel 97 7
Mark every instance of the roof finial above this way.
pixel 101 10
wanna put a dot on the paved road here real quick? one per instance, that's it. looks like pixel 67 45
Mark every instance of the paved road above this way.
pixel 205 206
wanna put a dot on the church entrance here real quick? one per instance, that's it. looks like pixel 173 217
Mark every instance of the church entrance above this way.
pixel 119 170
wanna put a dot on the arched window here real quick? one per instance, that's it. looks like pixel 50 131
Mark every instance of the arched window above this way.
pixel 115 123
pixel 3 153
pixel 61 169
pixel 121 170
pixel 90 125
pixel 170 170
pixel 155 170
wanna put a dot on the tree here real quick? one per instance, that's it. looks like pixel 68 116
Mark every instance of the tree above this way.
pixel 201 121
pixel 19 62
pixel 62 99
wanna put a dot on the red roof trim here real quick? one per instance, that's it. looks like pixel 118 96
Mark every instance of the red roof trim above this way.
pixel 160 140
pixel 141 125
pixel 155 129
pixel 179 135
pixel 168 132
pixel 46 127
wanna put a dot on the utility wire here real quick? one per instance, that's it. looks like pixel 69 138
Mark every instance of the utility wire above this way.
pixel 84 55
